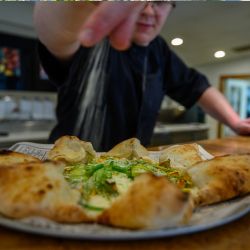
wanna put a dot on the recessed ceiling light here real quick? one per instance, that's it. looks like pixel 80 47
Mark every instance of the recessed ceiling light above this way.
pixel 219 54
pixel 177 41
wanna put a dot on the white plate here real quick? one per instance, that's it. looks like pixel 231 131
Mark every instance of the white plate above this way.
pixel 203 219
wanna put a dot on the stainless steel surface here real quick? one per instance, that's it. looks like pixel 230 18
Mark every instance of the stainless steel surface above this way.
pixel 12 132
pixel 178 133
pixel 25 126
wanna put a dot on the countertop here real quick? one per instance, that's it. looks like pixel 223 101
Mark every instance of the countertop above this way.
pixel 175 128
pixel 233 236
pixel 178 133
pixel 12 132
pixel 24 136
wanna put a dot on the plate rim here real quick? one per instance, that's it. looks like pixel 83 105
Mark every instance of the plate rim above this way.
pixel 129 235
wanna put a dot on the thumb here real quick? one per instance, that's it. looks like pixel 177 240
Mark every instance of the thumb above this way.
pixel 111 18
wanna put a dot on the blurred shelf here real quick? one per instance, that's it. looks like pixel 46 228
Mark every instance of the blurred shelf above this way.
pixel 178 133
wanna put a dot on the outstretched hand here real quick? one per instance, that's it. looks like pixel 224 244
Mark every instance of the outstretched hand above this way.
pixel 242 127
pixel 114 19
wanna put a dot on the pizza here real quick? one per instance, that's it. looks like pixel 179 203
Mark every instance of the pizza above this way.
pixel 220 179
pixel 181 156
pixel 122 188
pixel 8 158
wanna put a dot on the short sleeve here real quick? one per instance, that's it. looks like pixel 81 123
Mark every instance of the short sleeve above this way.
pixel 183 84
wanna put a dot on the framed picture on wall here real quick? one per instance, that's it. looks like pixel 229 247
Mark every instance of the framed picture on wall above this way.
pixel 10 70
pixel 20 68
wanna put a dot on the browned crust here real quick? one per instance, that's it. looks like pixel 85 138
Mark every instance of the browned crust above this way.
pixel 129 149
pixel 150 202
pixel 72 150
pixel 8 157
pixel 221 178
pixel 39 189
pixel 181 156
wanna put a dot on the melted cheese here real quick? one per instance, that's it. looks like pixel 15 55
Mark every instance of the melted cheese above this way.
pixel 122 182
pixel 99 201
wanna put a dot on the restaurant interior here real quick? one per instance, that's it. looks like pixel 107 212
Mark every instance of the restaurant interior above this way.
pixel 200 28
pixel 210 36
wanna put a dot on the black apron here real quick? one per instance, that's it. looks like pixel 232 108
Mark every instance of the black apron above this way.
pixel 151 103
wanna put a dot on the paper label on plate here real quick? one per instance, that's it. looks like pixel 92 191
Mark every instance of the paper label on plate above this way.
pixel 35 149
pixel 41 150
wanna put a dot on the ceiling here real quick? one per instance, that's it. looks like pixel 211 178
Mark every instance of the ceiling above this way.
pixel 207 27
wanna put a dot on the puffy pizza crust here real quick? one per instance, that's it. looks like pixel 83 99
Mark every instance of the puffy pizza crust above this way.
pixel 39 189
pixel 181 156
pixel 72 150
pixel 150 202
pixel 8 157
pixel 221 178
pixel 129 149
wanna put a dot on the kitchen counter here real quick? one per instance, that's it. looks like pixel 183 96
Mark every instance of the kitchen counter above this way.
pixel 33 136
pixel 234 235
pixel 12 132
pixel 170 128
pixel 178 133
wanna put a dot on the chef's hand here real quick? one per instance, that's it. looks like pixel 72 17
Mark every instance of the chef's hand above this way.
pixel 242 126
pixel 62 27
pixel 114 19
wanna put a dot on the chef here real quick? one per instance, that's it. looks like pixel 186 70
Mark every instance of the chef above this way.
pixel 112 70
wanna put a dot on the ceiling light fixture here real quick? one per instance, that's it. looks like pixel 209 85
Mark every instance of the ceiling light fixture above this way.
pixel 177 41
pixel 219 54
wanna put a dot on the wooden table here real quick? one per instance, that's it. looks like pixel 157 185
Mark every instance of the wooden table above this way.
pixel 233 236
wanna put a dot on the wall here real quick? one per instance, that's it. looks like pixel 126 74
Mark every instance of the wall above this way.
pixel 215 70
pixel 16 18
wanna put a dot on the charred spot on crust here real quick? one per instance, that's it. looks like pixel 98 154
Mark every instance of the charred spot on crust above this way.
pixel 49 186
pixel 5 152
pixel 41 192
pixel 104 218
pixel 183 196
pixel 242 180
pixel 29 168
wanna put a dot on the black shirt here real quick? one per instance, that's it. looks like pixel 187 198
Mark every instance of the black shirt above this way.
pixel 136 81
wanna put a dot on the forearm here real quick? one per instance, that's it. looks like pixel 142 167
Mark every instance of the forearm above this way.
pixel 58 25
pixel 216 105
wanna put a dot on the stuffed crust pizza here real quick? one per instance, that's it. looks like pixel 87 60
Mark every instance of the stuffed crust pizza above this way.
pixel 123 187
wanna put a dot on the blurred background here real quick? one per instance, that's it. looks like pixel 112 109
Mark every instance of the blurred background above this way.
pixel 204 30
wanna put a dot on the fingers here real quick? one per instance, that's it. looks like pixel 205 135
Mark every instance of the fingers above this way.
pixel 114 19
pixel 121 36
pixel 243 127
pixel 247 120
